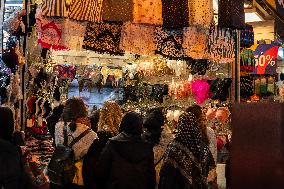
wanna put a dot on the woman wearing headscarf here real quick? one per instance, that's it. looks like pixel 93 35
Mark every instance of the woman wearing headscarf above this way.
pixel 187 160
pixel 209 138
pixel 74 120
pixel 158 135
pixel 11 168
pixel 127 162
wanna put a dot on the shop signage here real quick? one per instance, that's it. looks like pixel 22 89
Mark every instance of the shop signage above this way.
pixel 266 58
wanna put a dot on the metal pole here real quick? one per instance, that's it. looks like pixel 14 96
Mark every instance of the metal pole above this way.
pixel 238 66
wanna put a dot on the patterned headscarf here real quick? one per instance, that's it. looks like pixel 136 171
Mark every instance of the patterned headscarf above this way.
pixel 188 134
pixel 188 151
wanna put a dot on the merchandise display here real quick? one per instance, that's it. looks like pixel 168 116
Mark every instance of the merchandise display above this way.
pixel 120 56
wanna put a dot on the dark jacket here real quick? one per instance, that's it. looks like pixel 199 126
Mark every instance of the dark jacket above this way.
pixel 171 178
pixel 92 158
pixel 127 162
pixel 54 118
pixel 11 171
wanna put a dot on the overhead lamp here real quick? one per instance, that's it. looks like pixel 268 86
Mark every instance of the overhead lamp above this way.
pixel 252 17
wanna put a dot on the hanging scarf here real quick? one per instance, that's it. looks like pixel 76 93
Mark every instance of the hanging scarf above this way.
pixel 73 34
pixel 117 10
pixel 148 12
pixel 200 12
pixel 103 37
pixel 138 39
pixel 169 43
pixel 231 14
pixel 188 151
pixel 86 10
pixel 55 8
pixel 175 13
pixel 221 45
pixel 195 42
pixel 49 32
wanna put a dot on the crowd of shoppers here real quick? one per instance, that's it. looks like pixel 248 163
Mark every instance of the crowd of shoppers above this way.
pixel 112 149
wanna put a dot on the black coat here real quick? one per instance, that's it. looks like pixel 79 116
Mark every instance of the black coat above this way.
pixel 171 178
pixel 54 118
pixel 11 170
pixel 127 162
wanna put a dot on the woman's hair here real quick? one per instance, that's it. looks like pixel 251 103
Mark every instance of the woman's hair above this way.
pixel 74 108
pixel 131 123
pixel 200 118
pixel 110 117
pixel 6 123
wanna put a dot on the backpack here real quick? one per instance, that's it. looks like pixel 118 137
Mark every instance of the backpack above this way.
pixel 61 168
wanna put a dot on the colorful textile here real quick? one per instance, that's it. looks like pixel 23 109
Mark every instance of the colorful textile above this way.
pixel 195 42
pixel 138 39
pixel 200 12
pixel 231 14
pixel 247 36
pixel 221 45
pixel 86 10
pixel 73 34
pixel 148 12
pixel 114 10
pixel 55 8
pixel 103 37
pixel 169 42
pixel 49 32
pixel 175 13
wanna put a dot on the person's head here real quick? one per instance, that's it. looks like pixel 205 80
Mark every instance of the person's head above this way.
pixel 110 117
pixel 153 123
pixel 132 124
pixel 95 108
pixel 200 118
pixel 74 108
pixel 6 123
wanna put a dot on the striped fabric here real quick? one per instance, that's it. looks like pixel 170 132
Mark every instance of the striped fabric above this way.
pixel 55 8
pixel 86 10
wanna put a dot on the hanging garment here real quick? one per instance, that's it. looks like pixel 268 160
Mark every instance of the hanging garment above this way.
pixel 148 12
pixel 257 87
pixel 175 13
pixel 138 39
pixel 55 8
pixel 221 45
pixel 231 14
pixel 73 34
pixel 117 10
pixel 86 10
pixel 169 43
pixel 201 12
pixel 195 42
pixel 246 86
pixel 49 32
pixel 103 37
pixel 247 36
